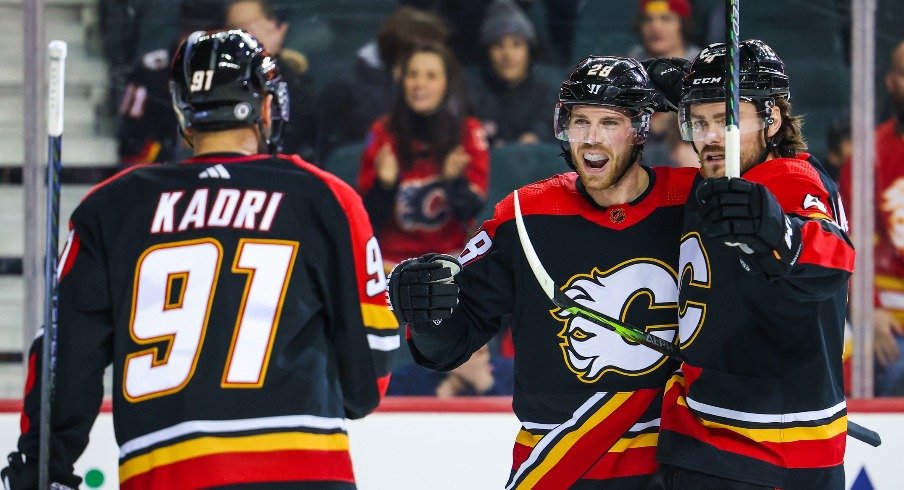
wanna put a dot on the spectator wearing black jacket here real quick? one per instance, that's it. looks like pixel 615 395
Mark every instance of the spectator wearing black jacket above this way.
pixel 507 80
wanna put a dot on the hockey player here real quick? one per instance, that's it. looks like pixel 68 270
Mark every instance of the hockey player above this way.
pixel 588 400
pixel 239 296
pixel 759 402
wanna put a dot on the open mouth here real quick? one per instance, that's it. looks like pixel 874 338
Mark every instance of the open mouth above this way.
pixel 595 160
pixel 714 157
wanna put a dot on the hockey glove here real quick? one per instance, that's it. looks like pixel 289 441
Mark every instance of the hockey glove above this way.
pixel 422 289
pixel 666 75
pixel 19 476
pixel 745 214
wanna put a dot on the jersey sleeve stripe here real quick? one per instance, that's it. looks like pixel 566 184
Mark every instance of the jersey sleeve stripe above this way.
pixel 378 317
pixel 385 344
pixel 825 247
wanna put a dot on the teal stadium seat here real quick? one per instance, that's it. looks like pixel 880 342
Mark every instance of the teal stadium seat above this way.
pixel 604 27
pixel 345 163
pixel 820 91
pixel 513 166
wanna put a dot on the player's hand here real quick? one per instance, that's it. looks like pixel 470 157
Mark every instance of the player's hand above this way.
pixel 745 214
pixel 885 328
pixel 19 476
pixel 666 75
pixel 422 289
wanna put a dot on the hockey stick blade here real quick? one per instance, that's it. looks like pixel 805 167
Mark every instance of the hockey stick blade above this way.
pixel 628 332
pixel 562 300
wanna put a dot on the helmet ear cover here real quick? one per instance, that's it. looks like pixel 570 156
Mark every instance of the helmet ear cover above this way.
pixel 219 81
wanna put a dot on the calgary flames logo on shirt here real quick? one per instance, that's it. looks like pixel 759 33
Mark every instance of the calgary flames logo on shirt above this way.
pixel 422 205
pixel 642 292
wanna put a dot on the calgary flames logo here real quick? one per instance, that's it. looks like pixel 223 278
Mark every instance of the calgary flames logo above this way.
pixel 642 292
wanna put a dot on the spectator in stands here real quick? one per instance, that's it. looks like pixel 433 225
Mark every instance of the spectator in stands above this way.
pixel 888 321
pixel 665 30
pixel 839 145
pixel 351 104
pixel 257 17
pixel 482 374
pixel 424 172
pixel 507 80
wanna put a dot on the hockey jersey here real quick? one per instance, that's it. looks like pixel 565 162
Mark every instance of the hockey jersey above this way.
pixel 587 399
pixel 241 302
pixel 760 396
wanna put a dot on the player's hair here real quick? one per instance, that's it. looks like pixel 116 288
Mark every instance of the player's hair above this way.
pixel 789 139
pixel 442 132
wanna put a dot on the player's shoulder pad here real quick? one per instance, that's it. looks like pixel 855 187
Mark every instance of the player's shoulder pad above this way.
pixel 542 197
pixel 797 185
pixel 675 183
pixel 345 194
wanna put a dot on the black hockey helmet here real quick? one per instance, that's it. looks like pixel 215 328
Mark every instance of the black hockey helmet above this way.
pixel 761 76
pixel 219 80
pixel 608 81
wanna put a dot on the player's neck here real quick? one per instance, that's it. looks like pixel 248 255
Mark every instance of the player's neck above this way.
pixel 239 140
pixel 628 188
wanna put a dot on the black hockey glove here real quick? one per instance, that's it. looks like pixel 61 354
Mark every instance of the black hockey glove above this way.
pixel 19 476
pixel 422 289
pixel 746 215
pixel 666 75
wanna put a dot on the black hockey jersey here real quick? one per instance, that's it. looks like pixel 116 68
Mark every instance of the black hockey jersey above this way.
pixel 241 302
pixel 587 399
pixel 760 397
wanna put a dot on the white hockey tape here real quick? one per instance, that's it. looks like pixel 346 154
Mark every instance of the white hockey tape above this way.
pixel 56 54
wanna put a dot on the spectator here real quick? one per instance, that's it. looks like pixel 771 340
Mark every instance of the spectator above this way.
pixel 481 375
pixel 665 30
pixel 424 172
pixel 235 296
pixel 351 104
pixel 507 80
pixel 839 145
pixel 888 251
pixel 257 17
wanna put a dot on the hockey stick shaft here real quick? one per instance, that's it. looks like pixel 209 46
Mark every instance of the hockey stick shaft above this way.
pixel 627 331
pixel 56 52
pixel 732 96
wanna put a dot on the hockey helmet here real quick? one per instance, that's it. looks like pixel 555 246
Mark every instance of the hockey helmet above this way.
pixel 608 81
pixel 761 76
pixel 220 79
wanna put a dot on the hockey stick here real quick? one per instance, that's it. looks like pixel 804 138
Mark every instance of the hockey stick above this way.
pixel 56 53
pixel 732 97
pixel 628 332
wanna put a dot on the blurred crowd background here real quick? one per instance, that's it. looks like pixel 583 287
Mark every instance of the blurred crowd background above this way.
pixel 391 94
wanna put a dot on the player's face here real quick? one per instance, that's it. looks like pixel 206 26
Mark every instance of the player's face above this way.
pixel 424 81
pixel 601 140
pixel 708 120
pixel 510 57
pixel 660 34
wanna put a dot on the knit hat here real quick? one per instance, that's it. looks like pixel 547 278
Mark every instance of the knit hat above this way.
pixel 504 18
pixel 680 7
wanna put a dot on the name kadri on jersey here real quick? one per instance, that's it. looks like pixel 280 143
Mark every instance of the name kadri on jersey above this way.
pixel 241 209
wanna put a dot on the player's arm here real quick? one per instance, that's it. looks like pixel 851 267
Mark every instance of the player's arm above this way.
pixel 84 349
pixel 786 232
pixel 451 314
pixel 363 331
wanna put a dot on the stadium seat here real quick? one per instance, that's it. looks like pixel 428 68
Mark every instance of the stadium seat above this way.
pixel 513 166
pixel 604 28
pixel 345 163
pixel 820 91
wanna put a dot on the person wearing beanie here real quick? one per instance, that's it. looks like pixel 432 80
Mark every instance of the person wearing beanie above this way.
pixel 506 80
